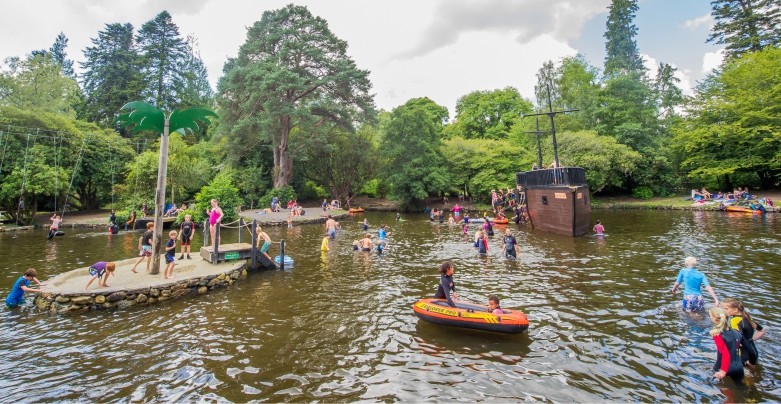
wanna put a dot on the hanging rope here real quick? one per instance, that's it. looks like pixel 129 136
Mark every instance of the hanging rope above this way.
pixel 24 180
pixel 75 168
pixel 4 147
pixel 111 163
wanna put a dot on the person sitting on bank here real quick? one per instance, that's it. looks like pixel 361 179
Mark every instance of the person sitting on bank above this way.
pixel 131 220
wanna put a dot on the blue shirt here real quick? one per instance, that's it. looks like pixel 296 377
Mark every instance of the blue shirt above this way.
pixel 692 280
pixel 17 294
pixel 382 234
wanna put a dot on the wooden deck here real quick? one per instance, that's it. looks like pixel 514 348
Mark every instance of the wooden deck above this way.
pixel 227 252
pixel 141 223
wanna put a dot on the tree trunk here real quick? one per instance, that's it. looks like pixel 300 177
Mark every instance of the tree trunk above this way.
pixel 162 170
pixel 283 167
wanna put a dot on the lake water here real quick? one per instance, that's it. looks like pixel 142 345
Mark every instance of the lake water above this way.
pixel 339 326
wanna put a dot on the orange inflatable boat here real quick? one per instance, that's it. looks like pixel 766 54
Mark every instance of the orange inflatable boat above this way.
pixel 743 209
pixel 500 221
pixel 356 210
pixel 469 315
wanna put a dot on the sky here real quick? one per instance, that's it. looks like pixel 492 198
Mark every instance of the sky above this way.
pixel 441 49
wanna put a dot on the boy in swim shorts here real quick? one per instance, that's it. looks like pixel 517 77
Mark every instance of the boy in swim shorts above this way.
pixel 693 280
pixel 145 247
pixel 16 297
pixel 262 236
pixel 101 270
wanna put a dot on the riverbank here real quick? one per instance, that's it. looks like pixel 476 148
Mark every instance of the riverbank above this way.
pixel 313 215
pixel 673 203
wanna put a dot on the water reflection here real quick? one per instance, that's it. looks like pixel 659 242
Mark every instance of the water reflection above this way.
pixel 339 324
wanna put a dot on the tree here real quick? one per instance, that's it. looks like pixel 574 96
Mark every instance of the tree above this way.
pixel 628 111
pixel 607 163
pixel 193 83
pixel 546 81
pixel 489 114
pixel 112 73
pixel 745 25
pixel 291 84
pixel 164 52
pixel 345 163
pixel 36 83
pixel 731 125
pixel 667 91
pixel 621 48
pixel 479 165
pixel 222 189
pixel 413 161
pixel 58 54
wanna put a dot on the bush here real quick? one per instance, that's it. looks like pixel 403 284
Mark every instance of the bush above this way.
pixel 122 216
pixel 285 195
pixel 182 214
pixel 642 193
pixel 311 191
pixel 222 189
pixel 375 189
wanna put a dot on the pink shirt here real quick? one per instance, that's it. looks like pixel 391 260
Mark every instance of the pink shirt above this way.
pixel 599 229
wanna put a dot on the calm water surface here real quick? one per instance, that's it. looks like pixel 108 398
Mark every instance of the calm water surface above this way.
pixel 339 326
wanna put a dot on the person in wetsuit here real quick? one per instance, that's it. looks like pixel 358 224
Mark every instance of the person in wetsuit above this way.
pixel 510 245
pixel 489 228
pixel 446 284
pixel 729 345
pixel 186 233
pixel 742 322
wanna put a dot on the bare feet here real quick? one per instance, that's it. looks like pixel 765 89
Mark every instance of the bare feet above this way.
pixel 106 285
pixel 134 271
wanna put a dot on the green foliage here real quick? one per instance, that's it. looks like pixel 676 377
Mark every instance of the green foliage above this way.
pixel 163 51
pixel 607 163
pixel 36 83
pixel 411 149
pixel 193 214
pixel 285 195
pixel 488 114
pixel 313 191
pixel 621 48
pixel 629 112
pixel 112 73
pixel 222 189
pixel 376 188
pixel 732 123
pixel 745 25
pixel 291 84
pixel 642 193
pixel 479 165
pixel 58 54
pixel 345 162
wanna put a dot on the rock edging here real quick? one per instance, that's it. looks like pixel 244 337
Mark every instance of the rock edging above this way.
pixel 97 300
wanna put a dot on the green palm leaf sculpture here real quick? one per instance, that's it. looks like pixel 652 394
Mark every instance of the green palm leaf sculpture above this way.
pixel 144 116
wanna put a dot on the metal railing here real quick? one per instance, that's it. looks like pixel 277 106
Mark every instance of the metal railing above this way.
pixel 552 176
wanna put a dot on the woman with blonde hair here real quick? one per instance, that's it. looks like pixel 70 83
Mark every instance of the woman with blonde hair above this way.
pixel 729 345
pixel 742 322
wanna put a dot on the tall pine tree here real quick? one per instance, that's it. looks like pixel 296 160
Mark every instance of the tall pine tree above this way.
pixel 622 54
pixel 58 54
pixel 746 25
pixel 164 52
pixel 192 85
pixel 112 73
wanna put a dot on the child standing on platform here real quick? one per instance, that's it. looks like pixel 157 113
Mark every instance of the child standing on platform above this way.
pixel 170 251
pixel 186 233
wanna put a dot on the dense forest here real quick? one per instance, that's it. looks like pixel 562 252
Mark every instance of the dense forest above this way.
pixel 298 119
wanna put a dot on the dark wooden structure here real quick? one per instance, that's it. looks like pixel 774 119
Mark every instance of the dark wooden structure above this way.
pixel 141 223
pixel 557 200
pixel 240 250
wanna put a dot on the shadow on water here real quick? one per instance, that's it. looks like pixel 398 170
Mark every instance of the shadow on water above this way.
pixel 339 325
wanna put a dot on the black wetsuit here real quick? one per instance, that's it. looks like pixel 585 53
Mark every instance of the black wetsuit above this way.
pixel 744 327
pixel 481 246
pixel 446 284
pixel 489 228
pixel 729 345
pixel 509 245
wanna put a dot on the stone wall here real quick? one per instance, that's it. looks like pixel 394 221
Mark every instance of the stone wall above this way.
pixel 96 299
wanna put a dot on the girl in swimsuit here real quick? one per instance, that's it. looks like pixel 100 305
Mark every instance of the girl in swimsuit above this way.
pixel 215 216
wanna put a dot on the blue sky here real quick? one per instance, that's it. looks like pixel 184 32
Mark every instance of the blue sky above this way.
pixel 441 49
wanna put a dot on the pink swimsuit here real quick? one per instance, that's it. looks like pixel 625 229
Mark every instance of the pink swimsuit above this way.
pixel 213 217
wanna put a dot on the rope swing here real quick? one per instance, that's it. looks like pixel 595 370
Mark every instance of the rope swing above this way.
pixel 75 168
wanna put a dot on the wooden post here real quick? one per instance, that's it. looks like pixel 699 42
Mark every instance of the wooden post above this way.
pixel 254 265
pixel 241 228
pixel 206 232
pixel 216 243
pixel 162 171
pixel 282 254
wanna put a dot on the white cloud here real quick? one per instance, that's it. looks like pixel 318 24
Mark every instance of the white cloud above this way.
pixel 706 19
pixel 712 60
pixel 526 20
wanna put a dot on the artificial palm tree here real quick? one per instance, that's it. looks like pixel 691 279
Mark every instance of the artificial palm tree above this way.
pixel 146 117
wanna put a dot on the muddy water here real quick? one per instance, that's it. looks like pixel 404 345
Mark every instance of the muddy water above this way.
pixel 339 325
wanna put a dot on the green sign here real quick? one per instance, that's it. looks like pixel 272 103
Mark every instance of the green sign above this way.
pixel 233 255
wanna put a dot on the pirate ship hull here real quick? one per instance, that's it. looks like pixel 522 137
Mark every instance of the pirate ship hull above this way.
pixel 557 200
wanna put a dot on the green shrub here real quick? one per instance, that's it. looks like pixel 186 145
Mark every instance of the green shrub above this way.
pixel 642 193
pixel 311 191
pixel 182 214
pixel 285 195
pixel 122 216
pixel 222 189
pixel 375 189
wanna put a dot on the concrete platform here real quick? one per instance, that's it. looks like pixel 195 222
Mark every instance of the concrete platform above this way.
pixel 65 292
pixel 227 251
